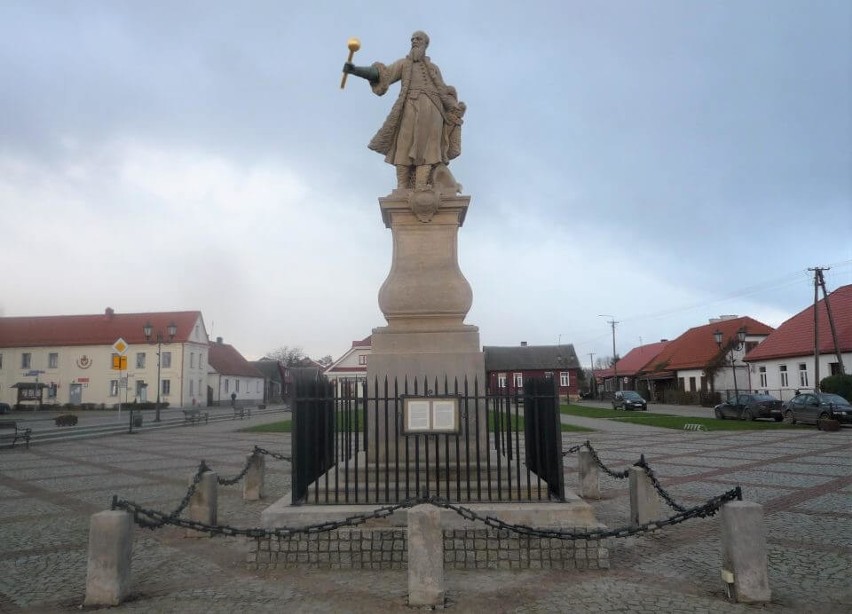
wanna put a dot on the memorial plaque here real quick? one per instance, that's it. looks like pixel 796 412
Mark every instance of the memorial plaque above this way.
pixel 432 415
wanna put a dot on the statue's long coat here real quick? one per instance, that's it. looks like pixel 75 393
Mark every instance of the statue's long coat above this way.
pixel 385 140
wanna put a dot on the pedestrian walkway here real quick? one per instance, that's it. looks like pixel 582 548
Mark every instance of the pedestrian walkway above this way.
pixel 802 477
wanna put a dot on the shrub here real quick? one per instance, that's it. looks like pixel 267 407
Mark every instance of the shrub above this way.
pixel 838 384
pixel 66 420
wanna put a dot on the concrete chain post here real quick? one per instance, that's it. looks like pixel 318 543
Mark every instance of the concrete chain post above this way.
pixel 425 557
pixel 110 550
pixel 745 568
pixel 204 503
pixel 589 474
pixel 253 484
pixel 644 502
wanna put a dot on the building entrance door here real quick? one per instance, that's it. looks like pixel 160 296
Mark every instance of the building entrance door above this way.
pixel 75 394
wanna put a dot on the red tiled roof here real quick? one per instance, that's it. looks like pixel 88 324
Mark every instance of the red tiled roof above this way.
pixel 101 329
pixel 363 343
pixel 697 347
pixel 226 360
pixel 795 337
pixel 638 357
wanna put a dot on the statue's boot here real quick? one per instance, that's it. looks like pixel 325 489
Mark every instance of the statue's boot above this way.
pixel 403 177
pixel 421 176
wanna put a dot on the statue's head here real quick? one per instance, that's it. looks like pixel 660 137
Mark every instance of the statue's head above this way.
pixel 419 39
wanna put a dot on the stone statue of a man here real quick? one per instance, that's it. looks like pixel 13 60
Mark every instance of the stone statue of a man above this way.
pixel 422 133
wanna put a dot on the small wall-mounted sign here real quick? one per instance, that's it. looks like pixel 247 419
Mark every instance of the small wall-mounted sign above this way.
pixel 425 415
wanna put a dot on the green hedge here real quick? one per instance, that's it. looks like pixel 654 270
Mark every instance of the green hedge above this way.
pixel 838 384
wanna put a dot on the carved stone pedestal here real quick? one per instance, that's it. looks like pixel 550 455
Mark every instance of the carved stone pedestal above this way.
pixel 425 298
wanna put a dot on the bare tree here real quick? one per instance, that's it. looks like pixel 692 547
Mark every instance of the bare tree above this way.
pixel 326 360
pixel 289 356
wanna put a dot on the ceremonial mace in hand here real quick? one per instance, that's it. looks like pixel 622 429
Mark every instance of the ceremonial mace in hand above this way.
pixel 354 45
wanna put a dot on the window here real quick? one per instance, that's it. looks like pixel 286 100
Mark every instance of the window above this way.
pixel 140 360
pixel 200 387
pixel 166 361
pixel 519 380
pixel 227 385
pixel 51 391
pixel 362 359
pixel 762 371
pixel 191 387
pixel 201 363
pixel 564 379
pixel 681 382
pixel 113 388
pixel 749 346
pixel 834 368
pixel 167 387
pixel 236 385
pixel 692 384
pixel 1 361
pixel 784 381
pixel 258 385
pixel 53 360
pixel 140 386
pixel 192 360
pixel 26 360
pixel 501 380
pixel 803 375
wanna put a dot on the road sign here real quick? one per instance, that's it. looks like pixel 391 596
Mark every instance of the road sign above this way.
pixel 33 373
pixel 119 363
pixel 120 346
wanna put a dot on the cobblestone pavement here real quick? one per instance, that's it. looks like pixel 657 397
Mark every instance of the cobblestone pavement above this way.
pixel 802 477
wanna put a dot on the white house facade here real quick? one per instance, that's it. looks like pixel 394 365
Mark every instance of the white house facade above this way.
pixel 70 360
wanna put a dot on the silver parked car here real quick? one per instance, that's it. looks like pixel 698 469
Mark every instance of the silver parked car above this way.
pixel 811 407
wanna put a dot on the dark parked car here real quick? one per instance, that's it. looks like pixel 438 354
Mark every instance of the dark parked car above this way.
pixel 811 407
pixel 749 406
pixel 628 399
pixel 5 408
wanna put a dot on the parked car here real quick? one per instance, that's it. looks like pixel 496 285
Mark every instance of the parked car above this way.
pixel 811 407
pixel 750 406
pixel 628 399
pixel 5 408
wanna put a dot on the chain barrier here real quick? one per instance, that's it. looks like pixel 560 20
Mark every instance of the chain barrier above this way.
pixel 642 463
pixel 162 518
pixel 275 455
pixel 240 475
pixel 618 475
pixel 154 519
pixel 658 487
pixel 701 511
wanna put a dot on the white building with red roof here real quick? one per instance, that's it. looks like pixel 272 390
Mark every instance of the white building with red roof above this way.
pixel 232 379
pixel 62 360
pixel 786 362
pixel 350 370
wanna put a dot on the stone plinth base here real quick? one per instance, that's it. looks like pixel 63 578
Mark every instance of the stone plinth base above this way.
pixel 383 544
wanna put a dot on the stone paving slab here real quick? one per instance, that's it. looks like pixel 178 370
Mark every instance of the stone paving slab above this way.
pixel 798 474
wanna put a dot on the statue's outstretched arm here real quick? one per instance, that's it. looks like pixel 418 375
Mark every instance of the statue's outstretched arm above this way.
pixel 370 73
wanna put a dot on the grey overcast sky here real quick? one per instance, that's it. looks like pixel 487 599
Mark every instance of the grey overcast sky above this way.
pixel 662 161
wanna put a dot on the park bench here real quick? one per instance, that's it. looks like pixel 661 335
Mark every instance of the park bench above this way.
pixel 194 416
pixel 9 429
pixel 242 412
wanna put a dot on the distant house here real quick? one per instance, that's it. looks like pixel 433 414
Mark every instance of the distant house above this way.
pixel 693 366
pixel 69 359
pixel 785 362
pixel 350 370
pixel 274 377
pixel 231 374
pixel 506 368
pixel 630 370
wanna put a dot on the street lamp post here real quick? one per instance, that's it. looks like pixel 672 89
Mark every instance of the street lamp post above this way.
pixel 148 329
pixel 734 347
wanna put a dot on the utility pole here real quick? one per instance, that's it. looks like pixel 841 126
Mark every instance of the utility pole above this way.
pixel 594 387
pixel 819 282
pixel 612 323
